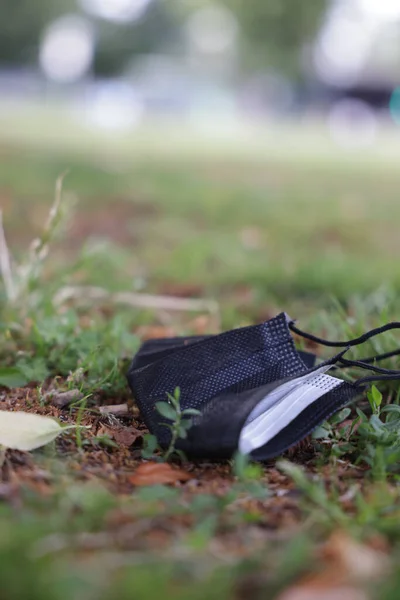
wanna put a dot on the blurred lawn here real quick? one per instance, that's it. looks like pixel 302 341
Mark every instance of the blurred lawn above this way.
pixel 251 216
pixel 261 219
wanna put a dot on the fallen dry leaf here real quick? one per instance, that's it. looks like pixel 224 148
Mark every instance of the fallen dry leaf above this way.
pixel 150 332
pixel 125 436
pixel 202 325
pixel 251 238
pixel 354 561
pixel 348 567
pixel 182 290
pixel 336 593
pixel 152 473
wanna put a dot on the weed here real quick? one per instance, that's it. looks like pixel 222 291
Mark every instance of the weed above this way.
pixel 101 440
pixel 150 446
pixel 335 435
pixel 180 424
pixel 80 414
pixel 22 283
pixel 249 477
pixel 315 492
pixel 180 421
pixel 375 399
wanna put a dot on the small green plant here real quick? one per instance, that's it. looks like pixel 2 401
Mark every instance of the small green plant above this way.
pixel 81 411
pixel 21 281
pixel 180 424
pixel 244 469
pixel 334 436
pixel 375 399
pixel 104 441
pixel 373 439
pixel 249 477
pixel 314 491
pixel 150 446
pixel 379 440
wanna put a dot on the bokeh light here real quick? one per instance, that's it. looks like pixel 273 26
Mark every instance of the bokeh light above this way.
pixel 212 30
pixel 344 44
pixel 353 37
pixel 383 9
pixel 112 106
pixel 352 123
pixel 67 49
pixel 119 11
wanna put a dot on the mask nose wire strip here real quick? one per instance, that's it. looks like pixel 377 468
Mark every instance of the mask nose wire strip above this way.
pixel 355 342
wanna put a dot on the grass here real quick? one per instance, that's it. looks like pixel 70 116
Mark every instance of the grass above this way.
pixel 260 229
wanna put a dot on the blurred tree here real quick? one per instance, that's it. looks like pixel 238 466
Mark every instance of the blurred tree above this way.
pixel 157 30
pixel 273 32
pixel 23 21
pixel 21 25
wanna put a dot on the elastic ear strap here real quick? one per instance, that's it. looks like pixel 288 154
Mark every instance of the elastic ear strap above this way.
pixel 355 342
pixel 378 357
pixel 362 365
pixel 381 373
pixel 371 378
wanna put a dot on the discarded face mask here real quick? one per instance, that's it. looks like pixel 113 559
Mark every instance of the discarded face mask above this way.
pixel 255 391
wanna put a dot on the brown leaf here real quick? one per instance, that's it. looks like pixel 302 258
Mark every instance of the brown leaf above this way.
pixel 251 238
pixel 347 567
pixel 152 473
pixel 182 290
pixel 202 325
pixel 8 491
pixel 123 436
pixel 150 332
pixel 103 430
pixel 352 560
pixel 126 436
pixel 316 593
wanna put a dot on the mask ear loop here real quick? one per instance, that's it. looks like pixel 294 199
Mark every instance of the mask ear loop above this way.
pixel 381 373
pixel 363 380
pixel 384 373
pixel 355 342
pixel 378 357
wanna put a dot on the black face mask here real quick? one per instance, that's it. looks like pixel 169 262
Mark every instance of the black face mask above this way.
pixel 255 391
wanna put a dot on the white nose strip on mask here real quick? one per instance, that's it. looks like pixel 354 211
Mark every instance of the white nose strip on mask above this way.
pixel 274 412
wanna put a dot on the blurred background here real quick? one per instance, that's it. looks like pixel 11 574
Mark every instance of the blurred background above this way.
pixel 244 149
pixel 115 63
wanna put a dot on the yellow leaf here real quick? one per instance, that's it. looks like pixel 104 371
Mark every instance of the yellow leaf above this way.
pixel 27 431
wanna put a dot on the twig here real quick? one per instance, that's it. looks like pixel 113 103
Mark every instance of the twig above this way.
pixel 149 301
pixel 63 399
pixel 29 272
pixel 5 264
pixel 39 246
pixel 118 410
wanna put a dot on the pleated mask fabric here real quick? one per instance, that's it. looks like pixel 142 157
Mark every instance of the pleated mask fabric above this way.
pixel 226 377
